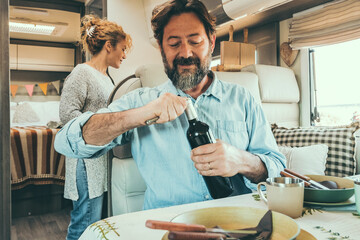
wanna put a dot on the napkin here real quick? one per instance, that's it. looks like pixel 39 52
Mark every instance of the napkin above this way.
pixel 264 229
pixel 345 208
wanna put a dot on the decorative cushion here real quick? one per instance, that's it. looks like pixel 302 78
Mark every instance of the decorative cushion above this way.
pixel 24 113
pixel 12 111
pixel 47 111
pixel 306 160
pixel 340 141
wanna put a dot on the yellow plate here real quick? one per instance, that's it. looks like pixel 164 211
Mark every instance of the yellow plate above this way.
pixel 284 227
pixel 304 235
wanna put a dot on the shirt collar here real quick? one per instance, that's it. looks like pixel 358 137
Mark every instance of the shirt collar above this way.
pixel 213 90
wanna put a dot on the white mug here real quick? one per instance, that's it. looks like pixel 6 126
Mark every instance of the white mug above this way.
pixel 284 195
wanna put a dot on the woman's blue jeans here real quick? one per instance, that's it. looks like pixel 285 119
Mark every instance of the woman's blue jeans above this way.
pixel 85 211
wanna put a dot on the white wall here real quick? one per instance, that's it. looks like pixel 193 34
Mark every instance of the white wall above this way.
pixel 301 70
pixel 131 16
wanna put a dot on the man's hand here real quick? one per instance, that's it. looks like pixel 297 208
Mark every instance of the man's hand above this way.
pixel 167 107
pixel 223 159
pixel 100 129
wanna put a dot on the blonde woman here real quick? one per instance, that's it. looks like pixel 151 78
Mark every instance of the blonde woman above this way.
pixel 87 88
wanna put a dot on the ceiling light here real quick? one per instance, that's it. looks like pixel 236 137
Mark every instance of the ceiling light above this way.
pixel 31 28
pixel 28 26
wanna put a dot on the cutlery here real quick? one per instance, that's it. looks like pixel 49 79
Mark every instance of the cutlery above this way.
pixel 264 227
pixel 196 236
pixel 183 227
pixel 306 183
pixel 305 178
pixel 208 236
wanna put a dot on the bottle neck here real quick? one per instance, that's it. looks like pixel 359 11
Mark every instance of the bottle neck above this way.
pixel 190 111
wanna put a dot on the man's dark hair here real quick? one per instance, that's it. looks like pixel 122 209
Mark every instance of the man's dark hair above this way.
pixel 162 14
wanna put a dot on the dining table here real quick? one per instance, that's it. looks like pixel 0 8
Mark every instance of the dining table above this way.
pixel 322 222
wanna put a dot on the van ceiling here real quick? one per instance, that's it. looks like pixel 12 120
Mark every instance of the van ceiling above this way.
pixel 279 13
pixel 72 33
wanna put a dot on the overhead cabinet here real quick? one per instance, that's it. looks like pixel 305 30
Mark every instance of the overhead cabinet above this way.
pixel 40 58
pixel 13 56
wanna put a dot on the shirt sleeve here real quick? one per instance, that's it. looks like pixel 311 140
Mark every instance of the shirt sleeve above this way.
pixel 69 140
pixel 262 142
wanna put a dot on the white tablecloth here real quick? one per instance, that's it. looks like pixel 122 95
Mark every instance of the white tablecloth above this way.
pixel 131 226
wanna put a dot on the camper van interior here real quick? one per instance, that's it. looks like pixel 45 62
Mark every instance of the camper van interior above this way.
pixel 297 58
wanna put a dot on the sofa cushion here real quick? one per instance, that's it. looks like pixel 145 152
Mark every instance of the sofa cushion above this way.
pixel 247 80
pixel 306 160
pixel 272 82
pixel 127 186
pixel 151 75
pixel 340 140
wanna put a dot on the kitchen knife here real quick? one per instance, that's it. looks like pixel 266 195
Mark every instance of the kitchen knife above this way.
pixel 183 227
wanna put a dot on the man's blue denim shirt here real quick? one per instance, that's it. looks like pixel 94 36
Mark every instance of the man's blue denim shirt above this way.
pixel 162 151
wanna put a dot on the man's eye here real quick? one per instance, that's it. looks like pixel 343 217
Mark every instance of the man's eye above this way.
pixel 195 42
pixel 174 44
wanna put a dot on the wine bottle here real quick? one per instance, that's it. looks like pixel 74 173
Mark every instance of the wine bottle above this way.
pixel 199 134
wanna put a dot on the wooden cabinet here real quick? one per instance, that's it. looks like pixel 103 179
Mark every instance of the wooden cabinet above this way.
pixel 13 56
pixel 41 58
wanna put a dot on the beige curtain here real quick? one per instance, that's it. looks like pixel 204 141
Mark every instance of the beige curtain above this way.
pixel 335 22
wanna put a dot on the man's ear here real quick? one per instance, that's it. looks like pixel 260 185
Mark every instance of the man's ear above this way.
pixel 212 40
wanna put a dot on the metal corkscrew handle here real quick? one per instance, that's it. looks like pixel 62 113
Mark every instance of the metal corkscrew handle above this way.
pixel 151 120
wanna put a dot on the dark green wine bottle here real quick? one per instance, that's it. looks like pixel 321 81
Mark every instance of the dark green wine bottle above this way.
pixel 199 134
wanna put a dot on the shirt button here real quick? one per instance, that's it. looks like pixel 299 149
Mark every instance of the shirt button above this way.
pixel 207 196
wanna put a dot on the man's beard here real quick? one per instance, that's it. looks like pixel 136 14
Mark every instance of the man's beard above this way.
pixel 187 79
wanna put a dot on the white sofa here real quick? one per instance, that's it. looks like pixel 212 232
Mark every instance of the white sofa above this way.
pixel 267 85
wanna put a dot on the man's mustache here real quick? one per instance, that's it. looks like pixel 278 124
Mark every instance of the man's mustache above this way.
pixel 186 61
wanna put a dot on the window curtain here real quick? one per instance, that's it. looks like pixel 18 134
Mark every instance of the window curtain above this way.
pixel 331 23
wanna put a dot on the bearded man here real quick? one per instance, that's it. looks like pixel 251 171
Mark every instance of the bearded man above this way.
pixel 245 150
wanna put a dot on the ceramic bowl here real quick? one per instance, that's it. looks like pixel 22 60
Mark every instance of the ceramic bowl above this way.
pixel 284 227
pixel 344 192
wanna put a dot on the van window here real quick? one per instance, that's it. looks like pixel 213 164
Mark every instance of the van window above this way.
pixel 337 83
pixel 215 61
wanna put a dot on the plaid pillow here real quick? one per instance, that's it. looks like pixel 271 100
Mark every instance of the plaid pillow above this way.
pixel 340 140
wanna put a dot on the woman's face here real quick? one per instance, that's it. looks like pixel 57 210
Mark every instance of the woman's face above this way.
pixel 117 54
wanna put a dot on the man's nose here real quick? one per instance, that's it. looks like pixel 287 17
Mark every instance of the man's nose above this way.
pixel 185 50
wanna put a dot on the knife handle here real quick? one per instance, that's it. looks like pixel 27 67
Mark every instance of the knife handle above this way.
pixel 307 184
pixel 171 226
pixel 195 236
pixel 297 174
pixel 231 33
